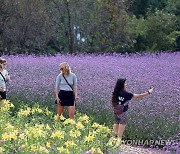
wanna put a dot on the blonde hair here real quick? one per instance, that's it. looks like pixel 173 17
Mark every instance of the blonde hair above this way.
pixel 65 66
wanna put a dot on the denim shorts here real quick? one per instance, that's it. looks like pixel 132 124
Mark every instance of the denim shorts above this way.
pixel 120 118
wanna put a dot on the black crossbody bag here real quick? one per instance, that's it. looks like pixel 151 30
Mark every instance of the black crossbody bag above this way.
pixel 69 85
pixel 67 82
pixel 118 109
pixel 3 77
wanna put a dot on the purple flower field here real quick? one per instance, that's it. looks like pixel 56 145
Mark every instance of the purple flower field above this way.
pixel 156 115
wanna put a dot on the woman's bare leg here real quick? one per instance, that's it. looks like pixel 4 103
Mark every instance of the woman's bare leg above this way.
pixel 71 110
pixel 121 129
pixel 115 129
pixel 60 109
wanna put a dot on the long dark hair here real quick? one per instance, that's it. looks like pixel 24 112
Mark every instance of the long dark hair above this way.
pixel 118 87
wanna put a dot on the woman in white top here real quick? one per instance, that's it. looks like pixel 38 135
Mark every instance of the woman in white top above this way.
pixel 5 72
pixel 66 90
pixel 2 84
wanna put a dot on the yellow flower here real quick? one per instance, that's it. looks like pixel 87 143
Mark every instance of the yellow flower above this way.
pixel 95 125
pixel 43 149
pixel 6 105
pixel 79 125
pixel 39 110
pixel 69 143
pixel 33 148
pixel 62 117
pixel 69 121
pixel 22 136
pixel 89 138
pixel 48 112
pixel 1 150
pixel 58 134
pixel 10 135
pixel 48 127
pixel 108 130
pixel 66 151
pixel 40 126
pixel 5 137
pixel 33 110
pixel 63 150
pixel 60 149
pixel 24 112
pixel 84 118
pixel 75 133
pixel 93 150
pixel 36 131
pixel 56 118
pixel 14 134
pixel 99 151
pixel 9 127
pixel 48 144
pixel 103 129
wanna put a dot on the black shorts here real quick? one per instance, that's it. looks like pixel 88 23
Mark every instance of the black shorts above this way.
pixel 2 95
pixel 66 97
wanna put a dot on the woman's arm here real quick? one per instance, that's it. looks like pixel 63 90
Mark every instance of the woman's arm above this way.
pixel 75 88
pixel 57 88
pixel 75 92
pixel 56 93
pixel 8 77
pixel 143 94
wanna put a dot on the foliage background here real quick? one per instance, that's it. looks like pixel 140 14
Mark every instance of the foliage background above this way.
pixel 93 26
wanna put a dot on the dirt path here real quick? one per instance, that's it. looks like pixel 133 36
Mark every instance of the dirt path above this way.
pixel 127 149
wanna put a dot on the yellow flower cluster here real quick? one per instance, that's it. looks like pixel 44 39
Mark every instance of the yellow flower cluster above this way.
pixel 79 125
pixel 36 110
pixel 75 133
pixel 36 131
pixel 57 118
pixel 69 121
pixel 69 144
pixel 24 112
pixel 58 134
pixel 96 150
pixel 29 137
pixel 48 112
pixel 5 105
pixel 90 137
pixel 1 150
pixel 63 150
pixel 10 135
pixel 33 110
pixel 8 127
pixel 101 128
pixel 84 119
pixel 39 149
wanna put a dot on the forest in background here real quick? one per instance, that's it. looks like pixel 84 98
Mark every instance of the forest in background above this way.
pixel 89 26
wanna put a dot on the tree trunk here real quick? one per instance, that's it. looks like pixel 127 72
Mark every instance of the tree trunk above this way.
pixel 70 33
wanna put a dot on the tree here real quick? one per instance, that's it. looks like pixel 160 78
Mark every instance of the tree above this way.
pixel 141 7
